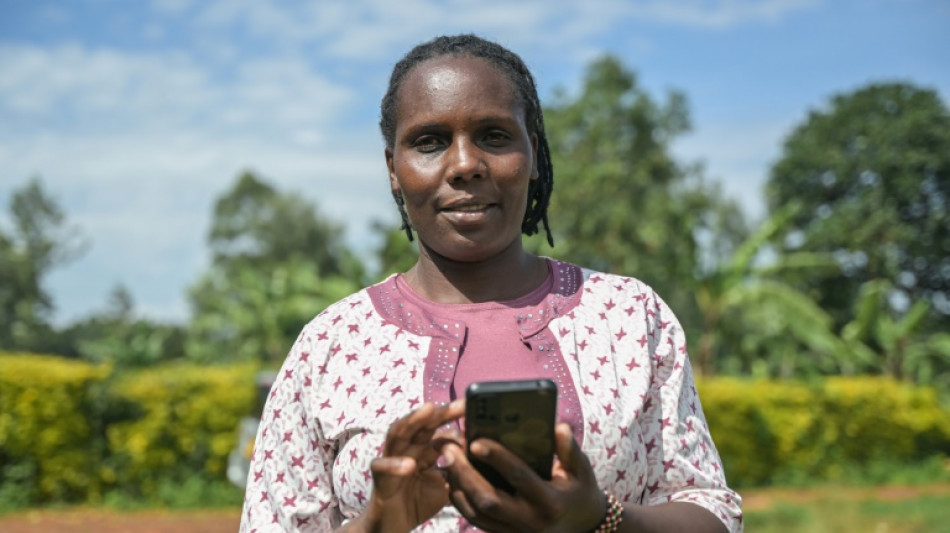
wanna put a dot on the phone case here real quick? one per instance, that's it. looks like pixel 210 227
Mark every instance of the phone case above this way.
pixel 518 414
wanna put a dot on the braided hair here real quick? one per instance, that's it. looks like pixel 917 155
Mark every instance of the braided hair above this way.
pixel 539 190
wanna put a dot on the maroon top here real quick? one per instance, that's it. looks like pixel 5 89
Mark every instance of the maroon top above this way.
pixel 495 343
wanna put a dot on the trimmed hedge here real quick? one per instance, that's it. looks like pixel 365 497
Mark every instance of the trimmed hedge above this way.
pixel 186 423
pixel 71 431
pixel 768 431
pixel 48 446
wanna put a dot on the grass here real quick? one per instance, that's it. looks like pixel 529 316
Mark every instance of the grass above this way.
pixel 193 493
pixel 935 469
pixel 853 510
pixel 826 509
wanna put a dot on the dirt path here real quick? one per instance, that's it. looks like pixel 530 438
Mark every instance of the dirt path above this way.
pixel 109 521
pixel 82 520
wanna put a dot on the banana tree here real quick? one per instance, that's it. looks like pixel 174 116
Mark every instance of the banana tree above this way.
pixel 892 344
pixel 767 316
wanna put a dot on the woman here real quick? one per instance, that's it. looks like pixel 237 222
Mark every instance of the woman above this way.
pixel 359 432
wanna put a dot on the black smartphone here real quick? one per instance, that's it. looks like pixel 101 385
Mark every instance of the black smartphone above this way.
pixel 518 414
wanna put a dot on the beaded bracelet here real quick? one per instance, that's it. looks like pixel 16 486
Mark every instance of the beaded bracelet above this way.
pixel 614 515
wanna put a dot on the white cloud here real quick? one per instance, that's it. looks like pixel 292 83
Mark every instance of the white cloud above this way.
pixel 738 155
pixel 716 14
pixel 367 29
pixel 145 201
pixel 137 146
pixel 75 87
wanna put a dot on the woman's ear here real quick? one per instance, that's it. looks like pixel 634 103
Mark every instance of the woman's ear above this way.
pixel 393 182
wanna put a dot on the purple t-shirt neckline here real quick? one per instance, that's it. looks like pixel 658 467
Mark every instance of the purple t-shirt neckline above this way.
pixel 489 341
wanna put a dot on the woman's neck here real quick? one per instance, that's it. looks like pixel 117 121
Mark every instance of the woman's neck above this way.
pixel 506 276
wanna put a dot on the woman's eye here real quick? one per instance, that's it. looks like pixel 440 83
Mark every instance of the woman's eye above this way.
pixel 427 144
pixel 496 138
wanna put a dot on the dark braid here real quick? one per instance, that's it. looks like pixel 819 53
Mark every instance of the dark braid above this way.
pixel 539 190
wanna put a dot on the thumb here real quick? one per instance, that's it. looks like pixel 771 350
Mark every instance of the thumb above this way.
pixel 571 461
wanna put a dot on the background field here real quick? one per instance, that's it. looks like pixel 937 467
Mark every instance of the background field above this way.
pixel 890 509
pixel 185 184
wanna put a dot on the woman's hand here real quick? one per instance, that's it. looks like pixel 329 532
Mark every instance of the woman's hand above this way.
pixel 570 502
pixel 408 489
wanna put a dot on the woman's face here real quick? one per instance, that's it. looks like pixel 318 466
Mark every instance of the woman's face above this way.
pixel 462 157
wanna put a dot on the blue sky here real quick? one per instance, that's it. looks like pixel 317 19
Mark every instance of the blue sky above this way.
pixel 137 115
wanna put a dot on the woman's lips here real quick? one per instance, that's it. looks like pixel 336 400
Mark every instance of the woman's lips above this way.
pixel 467 214
pixel 467 208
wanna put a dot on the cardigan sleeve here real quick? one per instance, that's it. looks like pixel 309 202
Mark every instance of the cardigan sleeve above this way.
pixel 683 463
pixel 289 486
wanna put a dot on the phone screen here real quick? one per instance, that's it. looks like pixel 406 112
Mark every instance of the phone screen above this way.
pixel 518 414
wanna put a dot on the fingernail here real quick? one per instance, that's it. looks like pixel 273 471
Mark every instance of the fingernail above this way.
pixel 477 449
pixel 445 460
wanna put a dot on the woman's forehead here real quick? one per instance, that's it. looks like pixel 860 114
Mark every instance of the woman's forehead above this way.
pixel 444 80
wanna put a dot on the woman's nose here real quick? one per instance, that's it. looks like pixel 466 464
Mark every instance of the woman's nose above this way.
pixel 466 161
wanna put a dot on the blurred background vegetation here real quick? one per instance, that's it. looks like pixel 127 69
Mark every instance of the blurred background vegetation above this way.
pixel 820 334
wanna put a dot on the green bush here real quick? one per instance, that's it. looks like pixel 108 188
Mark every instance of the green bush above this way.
pixel 49 450
pixel 771 431
pixel 71 431
pixel 186 423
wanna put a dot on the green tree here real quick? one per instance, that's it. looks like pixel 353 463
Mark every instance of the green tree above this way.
pixel 893 345
pixel 275 264
pixel 872 171
pixel 255 314
pixel 621 202
pixel 753 323
pixel 39 240
pixel 256 224
pixel 395 254
pixel 117 336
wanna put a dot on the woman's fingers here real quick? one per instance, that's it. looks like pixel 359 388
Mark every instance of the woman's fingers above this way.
pixel 471 494
pixel 411 446
pixel 587 504
pixel 458 470
pixel 568 452
pixel 525 481
pixel 393 466
pixel 479 519
pixel 571 501
pixel 389 473
pixel 418 427
pixel 407 488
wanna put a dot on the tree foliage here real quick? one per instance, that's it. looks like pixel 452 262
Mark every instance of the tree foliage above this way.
pixel 255 314
pixel 849 274
pixel 872 172
pixel 118 337
pixel 256 224
pixel 753 323
pixel 892 345
pixel 621 202
pixel 39 240
pixel 276 263
pixel 395 253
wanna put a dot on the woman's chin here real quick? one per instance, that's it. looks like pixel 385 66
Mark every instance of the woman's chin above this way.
pixel 466 249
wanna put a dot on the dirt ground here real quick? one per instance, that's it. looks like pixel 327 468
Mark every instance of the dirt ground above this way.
pixel 81 520
pixel 109 521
